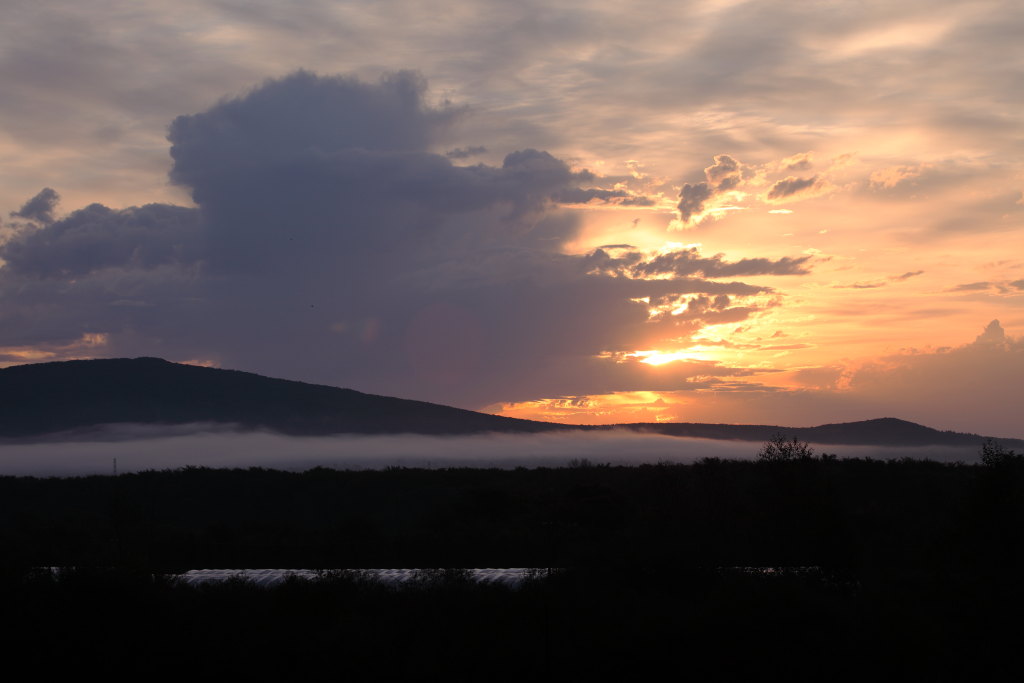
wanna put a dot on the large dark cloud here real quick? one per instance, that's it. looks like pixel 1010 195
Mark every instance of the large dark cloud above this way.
pixel 301 116
pixel 331 243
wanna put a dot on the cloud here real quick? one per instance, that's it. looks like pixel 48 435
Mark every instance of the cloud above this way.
pixel 42 349
pixel 577 195
pixel 688 261
pixel 981 379
pixel 97 237
pixel 972 287
pixel 797 162
pixel 874 284
pixel 826 377
pixel 994 335
pixel 892 176
pixel 973 387
pixel 330 243
pixel 40 208
pixel 906 276
pixel 465 152
pixel 692 199
pixel 724 175
pixel 761 80
pixel 791 186
pixel 999 288
pixel 727 182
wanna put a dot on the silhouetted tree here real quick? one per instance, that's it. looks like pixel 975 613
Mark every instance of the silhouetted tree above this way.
pixel 779 448
pixel 993 454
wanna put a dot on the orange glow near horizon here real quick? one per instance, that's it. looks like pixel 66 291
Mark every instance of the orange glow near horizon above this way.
pixel 79 349
pixel 615 408
pixel 898 385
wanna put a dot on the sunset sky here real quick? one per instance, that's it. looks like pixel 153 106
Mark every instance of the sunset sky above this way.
pixel 747 212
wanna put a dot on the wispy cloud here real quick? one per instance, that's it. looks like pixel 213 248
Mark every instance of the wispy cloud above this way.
pixel 873 284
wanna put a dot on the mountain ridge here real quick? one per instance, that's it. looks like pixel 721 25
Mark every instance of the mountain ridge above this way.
pixel 43 399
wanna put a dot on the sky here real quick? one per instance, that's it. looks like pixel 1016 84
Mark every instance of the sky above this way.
pixel 743 212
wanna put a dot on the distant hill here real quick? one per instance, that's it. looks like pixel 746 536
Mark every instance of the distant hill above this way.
pixel 885 431
pixel 43 399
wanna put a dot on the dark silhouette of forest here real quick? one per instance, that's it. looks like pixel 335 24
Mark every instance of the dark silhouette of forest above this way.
pixel 797 565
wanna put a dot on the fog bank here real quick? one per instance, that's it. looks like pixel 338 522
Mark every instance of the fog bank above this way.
pixel 139 448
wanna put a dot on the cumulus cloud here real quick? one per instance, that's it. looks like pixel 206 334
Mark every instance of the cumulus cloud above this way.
pixel 96 237
pixel 724 175
pixel 301 117
pixel 330 243
pixel 728 186
pixel 981 379
pixel 692 199
pixel 993 335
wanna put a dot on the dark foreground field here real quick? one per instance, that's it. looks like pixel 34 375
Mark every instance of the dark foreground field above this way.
pixel 907 569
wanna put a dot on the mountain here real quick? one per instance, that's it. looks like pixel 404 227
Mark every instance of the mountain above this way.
pixel 45 398
pixel 79 396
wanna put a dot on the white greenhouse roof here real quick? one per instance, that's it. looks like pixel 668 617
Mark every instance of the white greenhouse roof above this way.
pixel 513 576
